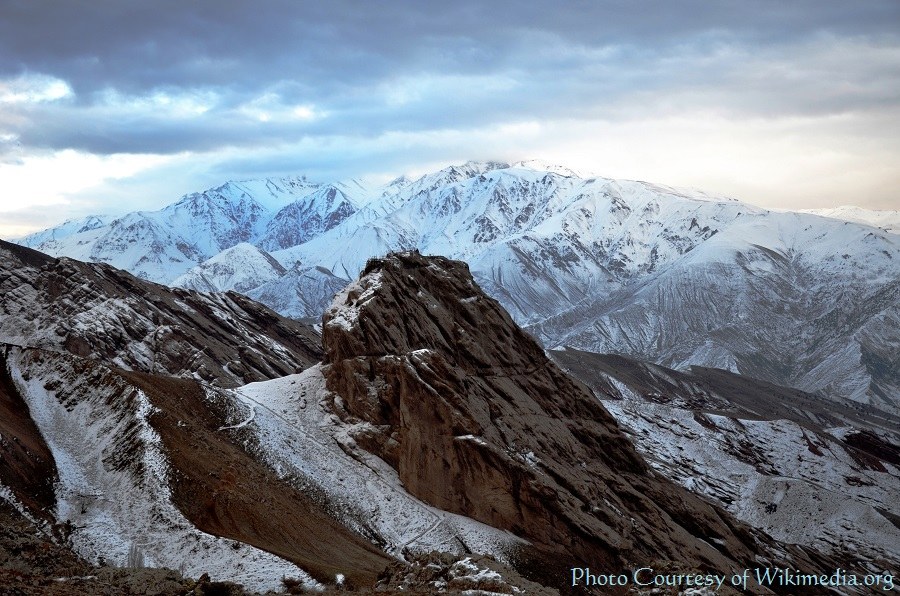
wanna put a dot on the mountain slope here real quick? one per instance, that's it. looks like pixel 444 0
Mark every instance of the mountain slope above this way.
pixel 672 276
pixel 811 307
pixel 300 292
pixel 805 469
pixel 98 312
pixel 888 221
pixel 241 268
pixel 114 469
pixel 308 217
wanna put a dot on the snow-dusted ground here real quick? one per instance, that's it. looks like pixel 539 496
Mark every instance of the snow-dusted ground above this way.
pixel 298 438
pixel 886 220
pixel 799 488
pixel 113 476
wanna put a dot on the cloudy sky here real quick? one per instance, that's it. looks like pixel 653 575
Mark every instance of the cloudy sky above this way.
pixel 110 106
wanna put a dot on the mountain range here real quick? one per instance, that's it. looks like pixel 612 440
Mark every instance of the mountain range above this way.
pixel 674 277
pixel 426 444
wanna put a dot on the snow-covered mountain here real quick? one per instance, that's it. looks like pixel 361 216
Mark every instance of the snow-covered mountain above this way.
pixel 671 276
pixel 310 215
pixel 241 268
pixel 775 296
pixel 162 245
pixel 300 292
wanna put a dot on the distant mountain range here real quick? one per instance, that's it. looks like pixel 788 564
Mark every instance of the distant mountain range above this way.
pixel 674 277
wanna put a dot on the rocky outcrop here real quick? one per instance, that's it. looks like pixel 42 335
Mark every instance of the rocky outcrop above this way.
pixel 96 311
pixel 441 383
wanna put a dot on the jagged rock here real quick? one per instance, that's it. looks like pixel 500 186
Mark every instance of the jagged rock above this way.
pixel 477 420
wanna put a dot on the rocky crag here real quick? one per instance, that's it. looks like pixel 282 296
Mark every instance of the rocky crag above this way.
pixel 438 381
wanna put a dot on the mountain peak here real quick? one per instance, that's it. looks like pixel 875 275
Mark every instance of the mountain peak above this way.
pixel 436 379
pixel 469 169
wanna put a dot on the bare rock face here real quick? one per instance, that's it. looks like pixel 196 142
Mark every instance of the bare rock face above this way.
pixel 446 388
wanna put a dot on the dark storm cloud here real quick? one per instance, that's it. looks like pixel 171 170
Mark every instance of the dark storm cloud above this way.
pixel 367 68
pixel 323 46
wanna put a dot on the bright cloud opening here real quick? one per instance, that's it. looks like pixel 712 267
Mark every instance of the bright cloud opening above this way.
pixel 29 88
pixel 38 190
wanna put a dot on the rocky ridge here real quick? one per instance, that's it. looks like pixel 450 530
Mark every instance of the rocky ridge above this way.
pixel 98 312
pixel 438 381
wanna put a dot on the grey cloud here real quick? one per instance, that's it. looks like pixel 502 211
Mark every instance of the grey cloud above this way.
pixel 582 59
pixel 136 45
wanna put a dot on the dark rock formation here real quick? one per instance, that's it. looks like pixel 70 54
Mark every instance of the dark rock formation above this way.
pixel 478 421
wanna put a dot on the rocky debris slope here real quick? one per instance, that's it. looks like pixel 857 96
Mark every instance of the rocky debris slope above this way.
pixel 802 468
pixel 440 383
pixel 95 311
pixel 442 573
